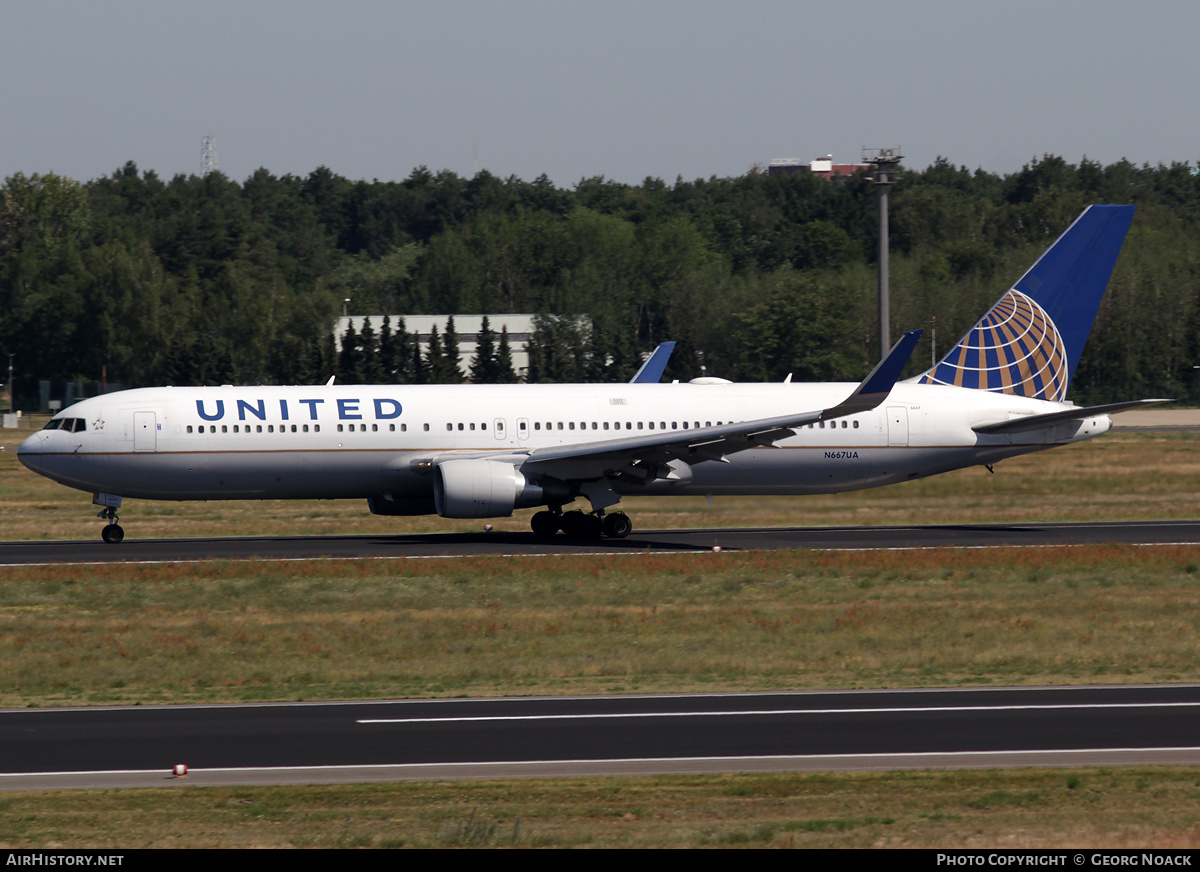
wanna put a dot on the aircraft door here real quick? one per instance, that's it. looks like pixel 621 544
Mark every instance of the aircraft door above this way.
pixel 522 428
pixel 145 431
pixel 500 428
pixel 897 426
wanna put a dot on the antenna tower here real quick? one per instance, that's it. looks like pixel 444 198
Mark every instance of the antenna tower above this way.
pixel 208 155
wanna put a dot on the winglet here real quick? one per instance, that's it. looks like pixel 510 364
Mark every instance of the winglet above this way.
pixel 654 366
pixel 878 384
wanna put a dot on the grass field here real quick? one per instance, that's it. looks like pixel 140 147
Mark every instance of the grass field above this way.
pixel 1007 809
pixel 228 631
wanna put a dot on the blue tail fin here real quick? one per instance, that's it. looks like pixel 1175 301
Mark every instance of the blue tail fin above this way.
pixel 1030 341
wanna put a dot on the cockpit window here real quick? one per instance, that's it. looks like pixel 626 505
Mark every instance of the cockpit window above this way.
pixel 71 425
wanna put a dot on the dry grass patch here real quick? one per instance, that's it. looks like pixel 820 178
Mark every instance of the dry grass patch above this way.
pixel 1013 809
pixel 495 626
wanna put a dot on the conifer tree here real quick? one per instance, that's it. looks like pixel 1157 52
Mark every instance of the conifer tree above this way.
pixel 453 362
pixel 387 353
pixel 505 374
pixel 348 359
pixel 435 360
pixel 483 367
pixel 369 370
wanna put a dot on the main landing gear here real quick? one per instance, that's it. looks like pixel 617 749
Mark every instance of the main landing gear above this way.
pixel 581 526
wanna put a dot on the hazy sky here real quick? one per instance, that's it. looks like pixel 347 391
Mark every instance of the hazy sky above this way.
pixel 692 88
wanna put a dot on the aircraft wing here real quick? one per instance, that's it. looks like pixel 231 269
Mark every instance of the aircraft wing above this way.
pixel 1034 422
pixel 651 371
pixel 647 455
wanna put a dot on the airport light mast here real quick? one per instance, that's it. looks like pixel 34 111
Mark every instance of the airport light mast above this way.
pixel 887 166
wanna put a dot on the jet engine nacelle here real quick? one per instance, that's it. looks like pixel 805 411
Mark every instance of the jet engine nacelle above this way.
pixel 483 489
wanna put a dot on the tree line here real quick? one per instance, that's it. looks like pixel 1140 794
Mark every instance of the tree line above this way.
pixel 198 280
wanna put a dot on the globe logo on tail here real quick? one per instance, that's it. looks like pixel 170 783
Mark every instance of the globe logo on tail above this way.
pixel 1014 349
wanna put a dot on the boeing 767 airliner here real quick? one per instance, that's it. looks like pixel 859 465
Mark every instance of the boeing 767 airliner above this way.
pixel 482 451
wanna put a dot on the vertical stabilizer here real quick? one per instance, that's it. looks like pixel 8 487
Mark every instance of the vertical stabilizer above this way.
pixel 1029 343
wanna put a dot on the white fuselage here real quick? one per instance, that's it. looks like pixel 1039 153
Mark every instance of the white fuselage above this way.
pixel 358 441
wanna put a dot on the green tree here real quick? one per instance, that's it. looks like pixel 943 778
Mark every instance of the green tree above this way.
pixel 483 366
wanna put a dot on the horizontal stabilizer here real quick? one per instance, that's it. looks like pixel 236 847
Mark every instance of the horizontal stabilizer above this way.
pixel 651 371
pixel 1034 422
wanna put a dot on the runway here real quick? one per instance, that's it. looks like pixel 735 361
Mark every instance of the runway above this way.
pixel 640 541
pixel 136 746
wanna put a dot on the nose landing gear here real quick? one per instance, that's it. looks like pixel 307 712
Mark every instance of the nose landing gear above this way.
pixel 112 532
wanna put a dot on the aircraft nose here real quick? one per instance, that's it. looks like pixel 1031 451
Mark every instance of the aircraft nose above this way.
pixel 30 451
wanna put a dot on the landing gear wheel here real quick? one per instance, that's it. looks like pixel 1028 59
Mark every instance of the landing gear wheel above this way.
pixel 579 526
pixel 544 524
pixel 617 525
pixel 112 534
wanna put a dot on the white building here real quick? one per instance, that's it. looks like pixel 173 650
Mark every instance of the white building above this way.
pixel 520 330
